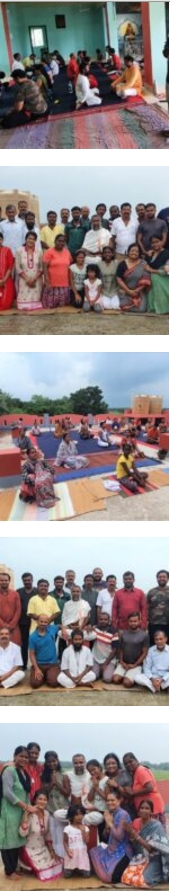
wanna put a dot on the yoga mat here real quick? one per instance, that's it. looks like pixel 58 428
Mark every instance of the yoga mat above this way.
pixel 24 689
pixel 30 883
pixel 88 495
pixel 158 478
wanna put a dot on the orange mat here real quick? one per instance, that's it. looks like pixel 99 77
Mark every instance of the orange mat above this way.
pixel 159 478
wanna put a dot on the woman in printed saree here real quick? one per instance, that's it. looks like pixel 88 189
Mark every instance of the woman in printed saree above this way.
pixel 38 854
pixel 37 480
pixel 109 863
pixel 16 786
pixel 158 267
pixel 7 287
pixel 149 866
pixel 28 263
pixel 134 281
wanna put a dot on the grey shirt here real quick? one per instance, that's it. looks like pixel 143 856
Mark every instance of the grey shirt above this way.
pixel 132 643
pixel 150 228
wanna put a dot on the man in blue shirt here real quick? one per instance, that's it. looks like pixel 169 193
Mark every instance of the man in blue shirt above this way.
pixel 42 653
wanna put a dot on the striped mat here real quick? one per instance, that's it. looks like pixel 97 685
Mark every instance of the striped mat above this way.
pixel 107 128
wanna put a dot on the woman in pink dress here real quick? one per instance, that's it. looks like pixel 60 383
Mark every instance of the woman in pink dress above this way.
pixel 75 838
pixel 38 855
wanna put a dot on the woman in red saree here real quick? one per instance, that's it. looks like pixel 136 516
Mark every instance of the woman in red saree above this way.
pixel 7 287
pixel 133 281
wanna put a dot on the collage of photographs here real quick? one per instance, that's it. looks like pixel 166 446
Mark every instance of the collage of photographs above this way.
pixel 84 445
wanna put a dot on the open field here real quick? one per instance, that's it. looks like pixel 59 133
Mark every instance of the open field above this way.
pixel 78 323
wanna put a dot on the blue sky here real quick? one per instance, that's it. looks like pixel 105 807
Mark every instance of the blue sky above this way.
pixel 119 375
pixel 59 187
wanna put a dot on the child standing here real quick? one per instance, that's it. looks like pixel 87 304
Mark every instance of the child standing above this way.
pixel 93 288
pixel 75 838
pixel 77 277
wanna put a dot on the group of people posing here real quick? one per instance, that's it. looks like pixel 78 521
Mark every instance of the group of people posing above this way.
pixel 78 634
pixel 93 262
pixel 108 820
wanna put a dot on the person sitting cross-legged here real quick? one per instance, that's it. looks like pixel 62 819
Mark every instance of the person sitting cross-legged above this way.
pixel 133 650
pixel 11 664
pixel 129 82
pixel 126 471
pixel 67 454
pixel 155 674
pixel 42 653
pixel 105 648
pixel 29 102
pixel 77 663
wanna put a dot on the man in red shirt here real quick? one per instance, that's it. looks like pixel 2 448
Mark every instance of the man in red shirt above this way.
pixel 128 600
pixel 72 68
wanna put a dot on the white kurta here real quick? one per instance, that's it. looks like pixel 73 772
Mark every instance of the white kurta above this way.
pixel 76 663
pixel 84 93
pixel 10 658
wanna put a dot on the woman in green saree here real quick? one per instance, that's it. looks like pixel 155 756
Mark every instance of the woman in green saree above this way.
pixel 15 788
pixel 158 266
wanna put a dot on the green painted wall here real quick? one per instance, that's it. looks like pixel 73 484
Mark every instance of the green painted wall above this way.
pixel 84 26
pixel 158 37
pixel 4 64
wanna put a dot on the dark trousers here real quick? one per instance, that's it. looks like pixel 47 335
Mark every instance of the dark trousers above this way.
pixel 19 118
pixel 119 869
pixel 24 643
pixel 160 627
pixel 10 860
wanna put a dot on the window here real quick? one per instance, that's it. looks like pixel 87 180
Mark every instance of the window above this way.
pixel 38 38
pixel 60 21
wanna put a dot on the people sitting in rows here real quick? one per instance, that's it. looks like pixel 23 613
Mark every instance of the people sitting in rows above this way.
pixel 129 82
pixel 11 664
pixel 85 432
pixel 67 454
pixel 127 473
pixel 114 63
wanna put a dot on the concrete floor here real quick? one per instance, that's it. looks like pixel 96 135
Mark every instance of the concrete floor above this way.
pixel 90 698
pixel 78 323
pixel 149 506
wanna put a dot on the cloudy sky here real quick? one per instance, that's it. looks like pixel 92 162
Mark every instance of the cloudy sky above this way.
pixel 148 741
pixel 113 555
pixel 119 375
pixel 65 186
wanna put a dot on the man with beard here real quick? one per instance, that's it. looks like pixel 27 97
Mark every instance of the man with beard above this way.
pixel 90 594
pixel 123 231
pixel 98 580
pixel 114 214
pixel 60 595
pixel 76 663
pixel 25 594
pixel 128 600
pixel 151 227
pixel 10 608
pixel 105 648
pixel 96 239
pixel 77 787
pixel 69 581
pixel 158 606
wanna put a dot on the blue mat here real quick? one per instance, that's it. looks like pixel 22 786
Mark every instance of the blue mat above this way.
pixel 165 469
pixel 49 444
pixel 96 471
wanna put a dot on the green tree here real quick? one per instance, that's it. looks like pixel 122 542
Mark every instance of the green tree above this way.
pixel 88 400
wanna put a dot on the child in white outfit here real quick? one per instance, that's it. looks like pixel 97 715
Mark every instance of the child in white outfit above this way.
pixel 76 836
pixel 93 287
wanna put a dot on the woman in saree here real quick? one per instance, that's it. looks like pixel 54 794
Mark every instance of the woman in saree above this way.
pixel 158 267
pixel 38 854
pixel 37 480
pixel 144 785
pixel 7 287
pixel 109 863
pixel 16 786
pixel 29 268
pixel 149 866
pixel 133 281
pixel 56 787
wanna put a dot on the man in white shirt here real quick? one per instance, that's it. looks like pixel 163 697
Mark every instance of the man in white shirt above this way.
pixel 105 597
pixel 76 663
pixel 75 613
pixel 11 664
pixel 78 787
pixel 155 673
pixel 123 231
pixel 17 63
pixel 12 229
pixel 95 240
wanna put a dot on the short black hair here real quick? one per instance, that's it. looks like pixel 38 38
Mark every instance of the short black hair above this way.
pixel 51 211
pixel 18 73
pixel 43 580
pixel 150 204
pixel 25 575
pixel 75 632
pixel 73 810
pixel 128 572
pixel 132 615
pixel 128 58
pixel 75 208
pixel 34 235
pixel 111 576
pixel 101 203
pixel 92 267
pixel 56 577
pixel 125 204
pixel 162 570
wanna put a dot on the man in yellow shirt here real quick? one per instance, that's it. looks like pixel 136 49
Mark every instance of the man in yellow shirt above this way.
pixel 51 230
pixel 126 470
pixel 42 604
pixel 129 83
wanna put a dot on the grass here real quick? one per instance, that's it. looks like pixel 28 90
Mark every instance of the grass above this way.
pixel 161 774
pixel 78 323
